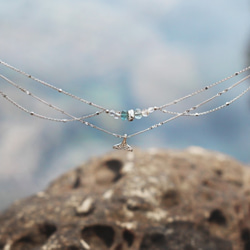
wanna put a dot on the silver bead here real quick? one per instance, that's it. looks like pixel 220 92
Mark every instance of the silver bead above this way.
pixel 131 115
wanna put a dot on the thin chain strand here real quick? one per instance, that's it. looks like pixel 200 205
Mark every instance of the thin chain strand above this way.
pixel 107 110
pixel 222 106
pixel 57 120
pixel 215 96
pixel 48 104
pixel 53 87
pixel 194 107
pixel 203 89
pixel 214 109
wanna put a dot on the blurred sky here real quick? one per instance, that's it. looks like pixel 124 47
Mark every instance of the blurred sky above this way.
pixel 119 54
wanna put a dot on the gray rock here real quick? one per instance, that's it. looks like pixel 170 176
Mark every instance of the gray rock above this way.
pixel 146 200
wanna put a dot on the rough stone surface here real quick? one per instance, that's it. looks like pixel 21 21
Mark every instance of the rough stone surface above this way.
pixel 146 200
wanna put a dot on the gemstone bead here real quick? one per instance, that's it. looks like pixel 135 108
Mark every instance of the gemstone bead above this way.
pixel 145 112
pixel 138 114
pixel 118 114
pixel 124 115
pixel 151 110
pixel 112 112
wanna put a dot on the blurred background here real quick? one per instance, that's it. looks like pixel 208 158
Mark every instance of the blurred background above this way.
pixel 120 54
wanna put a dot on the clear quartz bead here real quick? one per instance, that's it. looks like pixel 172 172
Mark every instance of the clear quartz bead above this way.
pixel 145 112
pixel 117 115
pixel 151 110
pixel 138 114
pixel 112 112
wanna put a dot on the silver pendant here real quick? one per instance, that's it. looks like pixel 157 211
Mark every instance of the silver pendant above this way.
pixel 123 145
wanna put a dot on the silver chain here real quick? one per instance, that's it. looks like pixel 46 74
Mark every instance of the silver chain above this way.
pixel 205 88
pixel 186 112
pixel 129 115
pixel 52 87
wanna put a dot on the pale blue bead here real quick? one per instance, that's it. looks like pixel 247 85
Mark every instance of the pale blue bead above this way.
pixel 138 114
pixel 124 115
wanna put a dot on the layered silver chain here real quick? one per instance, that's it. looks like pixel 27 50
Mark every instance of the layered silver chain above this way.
pixel 129 115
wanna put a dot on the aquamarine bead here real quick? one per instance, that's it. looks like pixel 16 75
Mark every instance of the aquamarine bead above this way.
pixel 138 114
pixel 124 115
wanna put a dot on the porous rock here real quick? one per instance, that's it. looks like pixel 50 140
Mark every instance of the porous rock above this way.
pixel 145 200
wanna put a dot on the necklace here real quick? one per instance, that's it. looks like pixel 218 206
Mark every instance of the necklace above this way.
pixel 129 115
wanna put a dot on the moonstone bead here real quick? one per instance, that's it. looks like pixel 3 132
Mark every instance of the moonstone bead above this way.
pixel 145 112
pixel 138 114
pixel 124 115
